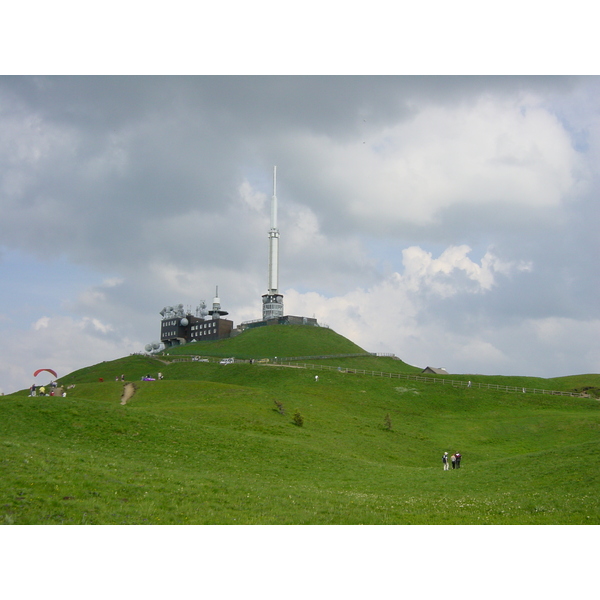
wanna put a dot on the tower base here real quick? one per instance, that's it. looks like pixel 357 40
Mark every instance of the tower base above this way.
pixel 272 306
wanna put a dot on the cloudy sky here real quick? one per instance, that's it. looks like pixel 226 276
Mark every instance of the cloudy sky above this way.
pixel 452 221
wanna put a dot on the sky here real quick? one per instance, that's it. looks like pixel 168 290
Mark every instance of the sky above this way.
pixel 450 220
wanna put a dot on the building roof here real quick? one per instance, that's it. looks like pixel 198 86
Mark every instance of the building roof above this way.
pixel 435 371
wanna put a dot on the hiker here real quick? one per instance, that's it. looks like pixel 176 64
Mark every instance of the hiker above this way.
pixel 469 384
pixel 458 457
pixel 123 377
pixel 32 390
pixel 445 461
pixel 42 391
pixel 316 378
pixel 453 459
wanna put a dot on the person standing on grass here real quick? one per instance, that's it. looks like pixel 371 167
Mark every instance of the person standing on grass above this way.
pixel 458 457
pixel 453 459
pixel 445 461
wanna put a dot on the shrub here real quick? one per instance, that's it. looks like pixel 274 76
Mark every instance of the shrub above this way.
pixel 298 419
pixel 387 422
pixel 279 406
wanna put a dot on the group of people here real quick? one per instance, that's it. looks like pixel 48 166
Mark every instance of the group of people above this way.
pixel 41 389
pixel 454 460
pixel 34 389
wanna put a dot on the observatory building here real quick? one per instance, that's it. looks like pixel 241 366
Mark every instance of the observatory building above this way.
pixel 181 327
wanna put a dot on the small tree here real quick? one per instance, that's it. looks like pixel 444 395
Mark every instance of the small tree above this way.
pixel 387 422
pixel 298 419
pixel 279 406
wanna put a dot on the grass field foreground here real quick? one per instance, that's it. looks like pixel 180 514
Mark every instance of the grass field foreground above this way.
pixel 219 444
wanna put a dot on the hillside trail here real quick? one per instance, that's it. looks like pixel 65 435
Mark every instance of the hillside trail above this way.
pixel 128 392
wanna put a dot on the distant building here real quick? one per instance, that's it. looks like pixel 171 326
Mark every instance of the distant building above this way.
pixel 434 371
pixel 180 327
pixel 176 331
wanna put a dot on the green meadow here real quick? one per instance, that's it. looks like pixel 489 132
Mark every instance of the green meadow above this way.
pixel 265 443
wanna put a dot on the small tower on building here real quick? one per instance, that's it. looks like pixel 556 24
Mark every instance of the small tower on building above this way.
pixel 216 312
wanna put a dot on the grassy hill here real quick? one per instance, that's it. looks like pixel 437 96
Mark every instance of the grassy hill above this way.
pixel 218 443
pixel 280 341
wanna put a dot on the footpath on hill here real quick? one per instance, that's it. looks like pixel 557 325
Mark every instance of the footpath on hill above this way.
pixel 128 392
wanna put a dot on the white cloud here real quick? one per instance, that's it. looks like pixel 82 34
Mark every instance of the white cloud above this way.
pixel 96 324
pixel 41 323
pixel 255 199
pixel 487 151
pixel 422 271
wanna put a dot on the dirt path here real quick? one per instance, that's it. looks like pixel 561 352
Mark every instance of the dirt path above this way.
pixel 128 392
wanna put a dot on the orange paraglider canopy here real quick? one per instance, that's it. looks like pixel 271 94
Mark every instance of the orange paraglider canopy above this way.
pixel 49 371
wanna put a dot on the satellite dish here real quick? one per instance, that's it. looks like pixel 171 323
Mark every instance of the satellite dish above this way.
pixel 163 312
pixel 184 322
pixel 148 347
pixel 155 345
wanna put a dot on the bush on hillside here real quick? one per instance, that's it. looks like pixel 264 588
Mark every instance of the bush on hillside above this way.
pixel 387 422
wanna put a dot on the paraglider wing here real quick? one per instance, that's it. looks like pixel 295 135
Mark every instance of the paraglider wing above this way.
pixel 49 371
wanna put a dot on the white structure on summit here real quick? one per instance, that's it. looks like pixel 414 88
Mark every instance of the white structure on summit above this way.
pixel 273 300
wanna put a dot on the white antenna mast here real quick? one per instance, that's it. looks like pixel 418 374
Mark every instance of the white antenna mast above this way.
pixel 273 300
pixel 274 241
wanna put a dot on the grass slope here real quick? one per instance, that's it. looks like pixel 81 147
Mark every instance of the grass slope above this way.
pixel 271 341
pixel 209 445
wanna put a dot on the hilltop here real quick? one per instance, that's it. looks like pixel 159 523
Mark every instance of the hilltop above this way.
pixel 267 443
pixel 272 341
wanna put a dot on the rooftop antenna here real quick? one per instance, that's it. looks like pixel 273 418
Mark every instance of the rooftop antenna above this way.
pixel 216 311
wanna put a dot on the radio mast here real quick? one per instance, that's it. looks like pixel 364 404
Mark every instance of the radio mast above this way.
pixel 273 300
